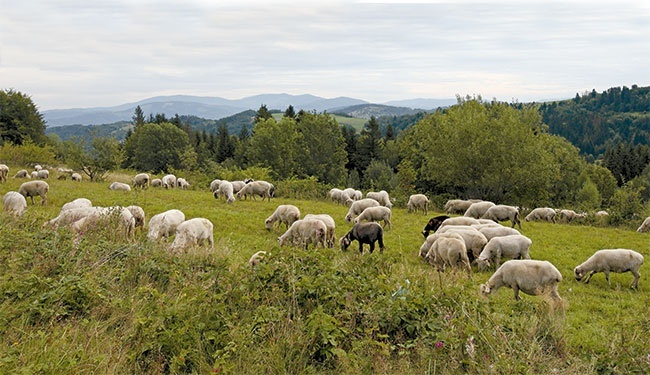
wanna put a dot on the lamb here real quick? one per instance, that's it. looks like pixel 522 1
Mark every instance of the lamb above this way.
pixel 169 181
pixel 496 231
pixel 515 246
pixel 457 206
pixel 4 172
pixel 156 182
pixel 357 207
pixel 304 232
pixel 262 188
pixel 76 177
pixel 119 186
pixel 503 212
pixel 43 174
pixel 478 209
pixel 377 213
pixel 541 213
pixel 22 174
pixel 449 249
pixel 77 203
pixel 418 202
pixel 214 185
pixel 182 183
pixel 256 258
pixel 138 215
pixel 381 197
pixel 611 260
pixel 14 203
pixel 533 277
pixel 433 224
pixel 225 189
pixel 141 180
pixel 645 226
pixel 193 232
pixel 364 233
pixel 164 224
pixel 284 214
pixel 31 189
pixel 330 236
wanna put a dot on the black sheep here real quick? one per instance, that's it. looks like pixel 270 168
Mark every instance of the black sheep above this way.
pixel 369 233
pixel 433 224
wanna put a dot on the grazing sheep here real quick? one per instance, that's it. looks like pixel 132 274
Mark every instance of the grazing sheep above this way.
pixel 357 207
pixel 182 183
pixel 304 232
pixel 355 195
pixel 542 213
pixel 502 212
pixel 568 216
pixel 339 196
pixel 22 174
pixel 515 246
pixel 225 189
pixel 533 277
pixel 37 167
pixel 284 214
pixel 433 224
pixel 169 181
pixel 4 172
pixel 496 231
pixel 138 215
pixel 256 258
pixel 475 241
pixel 34 175
pixel 601 214
pixel 457 206
pixel 76 177
pixel 43 174
pixel 376 213
pixel 141 180
pixel 119 186
pixel 100 217
pixel 31 189
pixel 214 185
pixel 14 203
pixel 156 182
pixel 478 209
pixel 77 203
pixel 70 215
pixel 164 224
pixel 449 249
pixel 418 202
pixel 193 232
pixel 645 226
pixel 364 233
pixel 459 220
pixel 330 235
pixel 611 260
pixel 381 197
pixel 262 188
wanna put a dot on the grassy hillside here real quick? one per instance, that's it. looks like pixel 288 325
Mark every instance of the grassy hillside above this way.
pixel 101 303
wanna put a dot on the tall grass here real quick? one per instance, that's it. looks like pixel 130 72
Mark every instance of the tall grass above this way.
pixel 101 303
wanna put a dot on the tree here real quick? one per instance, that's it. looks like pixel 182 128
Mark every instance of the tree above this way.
pixel 290 112
pixel 262 114
pixel 370 143
pixel 225 144
pixel 322 147
pixel 138 117
pixel 159 148
pixel 96 160
pixel 274 145
pixel 20 121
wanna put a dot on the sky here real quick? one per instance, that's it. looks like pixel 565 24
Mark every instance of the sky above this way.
pixel 89 53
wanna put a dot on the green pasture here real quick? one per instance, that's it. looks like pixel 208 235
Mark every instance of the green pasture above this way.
pixel 99 303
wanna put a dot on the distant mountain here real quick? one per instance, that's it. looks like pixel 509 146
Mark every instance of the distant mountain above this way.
pixel 365 111
pixel 420 103
pixel 214 108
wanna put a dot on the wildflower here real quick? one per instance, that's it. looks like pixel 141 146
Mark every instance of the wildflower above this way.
pixel 439 344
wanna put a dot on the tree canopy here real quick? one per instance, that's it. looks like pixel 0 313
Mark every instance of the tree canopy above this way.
pixel 20 121
pixel 157 147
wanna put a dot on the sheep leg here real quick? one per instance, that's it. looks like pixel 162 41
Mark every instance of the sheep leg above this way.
pixel 372 246
pixel 515 288
pixel 589 277
pixel 607 277
pixel 636 278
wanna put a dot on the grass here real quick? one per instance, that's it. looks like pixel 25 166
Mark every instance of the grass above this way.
pixel 100 303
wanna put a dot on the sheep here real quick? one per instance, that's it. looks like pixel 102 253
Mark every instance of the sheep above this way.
pixel 541 213
pixel 418 202
pixel 533 277
pixel 141 180
pixel 4 172
pixel 475 241
pixel 225 189
pixel 645 226
pixel 43 174
pixel 14 203
pixel 214 185
pixel 262 188
pixel 376 213
pixel 364 233
pixel 119 186
pixel 31 189
pixel 284 214
pixel 304 232
pixel 169 181
pixel 102 216
pixel 182 183
pixel 193 232
pixel 339 196
pixel 570 215
pixel 449 249
pixel 354 195
pixel 501 212
pixel 138 215
pixel 156 182
pixel 601 214
pixel 478 209
pixel 381 197
pixel 22 174
pixel 77 203
pixel 457 206
pixel 330 235
pixel 76 177
pixel 459 220
pixel 491 231
pixel 433 224
pixel 611 260
pixel 515 246
pixel 34 175
pixel 70 215
pixel 237 186
pixel 37 167
pixel 164 224
pixel 256 258
pixel 357 207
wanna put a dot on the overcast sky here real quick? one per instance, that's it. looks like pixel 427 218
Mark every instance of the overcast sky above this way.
pixel 86 53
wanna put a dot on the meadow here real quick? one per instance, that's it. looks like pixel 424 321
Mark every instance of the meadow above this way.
pixel 99 303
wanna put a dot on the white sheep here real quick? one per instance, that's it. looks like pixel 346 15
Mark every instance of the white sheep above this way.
pixel 304 232
pixel 43 174
pixel 478 209
pixel 418 202
pixel 491 231
pixel 256 258
pixel 214 185
pixel 376 213
pixel 262 188
pixel 164 224
pixel 355 195
pixel 542 213
pixel 475 241
pixel 119 186
pixel 380 196
pixel 138 215
pixel 30 189
pixel 141 180
pixel 237 185
pixel 77 203
pixel 37 167
pixel 515 246
pixel 34 175
pixel 459 220
pixel 502 212
pixel 533 277
pixel 169 181
pixel 457 206
pixel 284 214
pixel 357 207
pixel 568 216
pixel 182 183
pixel 100 217
pixel 645 226
pixel 611 260
pixel 76 177
pixel 156 182
pixel 193 232
pixel 4 172
pixel 70 215
pixel 14 203
pixel 449 250
pixel 337 195
pixel 330 235
pixel 225 189
pixel 22 174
